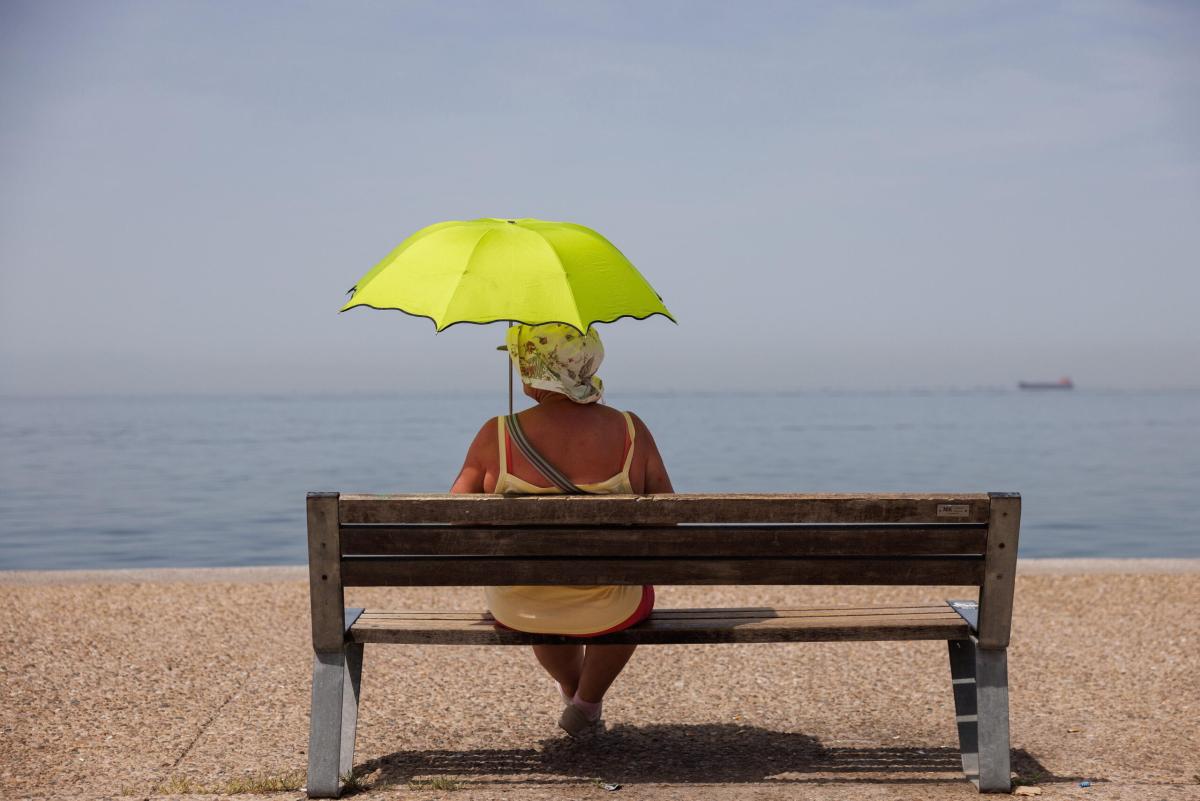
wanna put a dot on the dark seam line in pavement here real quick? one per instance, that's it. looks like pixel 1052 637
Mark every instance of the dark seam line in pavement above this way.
pixel 207 724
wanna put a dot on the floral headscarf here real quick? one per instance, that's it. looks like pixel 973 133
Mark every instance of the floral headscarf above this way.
pixel 556 357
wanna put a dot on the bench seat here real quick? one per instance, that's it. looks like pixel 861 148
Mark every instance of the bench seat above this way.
pixel 715 625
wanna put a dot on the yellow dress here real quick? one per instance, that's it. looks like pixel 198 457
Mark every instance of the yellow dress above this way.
pixel 563 610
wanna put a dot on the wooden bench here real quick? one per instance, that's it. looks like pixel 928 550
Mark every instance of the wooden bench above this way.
pixel 883 539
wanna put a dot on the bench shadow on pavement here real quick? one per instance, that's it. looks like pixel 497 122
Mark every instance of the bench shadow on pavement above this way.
pixel 711 753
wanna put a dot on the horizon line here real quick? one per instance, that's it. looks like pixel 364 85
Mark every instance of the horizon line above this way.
pixel 474 393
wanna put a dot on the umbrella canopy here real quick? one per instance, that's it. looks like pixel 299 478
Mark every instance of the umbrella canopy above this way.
pixel 528 271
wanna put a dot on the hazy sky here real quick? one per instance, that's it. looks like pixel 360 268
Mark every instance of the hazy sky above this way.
pixel 870 195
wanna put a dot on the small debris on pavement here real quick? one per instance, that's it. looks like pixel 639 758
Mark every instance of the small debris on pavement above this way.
pixel 609 786
pixel 1085 784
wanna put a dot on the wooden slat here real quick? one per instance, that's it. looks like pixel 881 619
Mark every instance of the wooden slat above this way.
pixel 694 541
pixel 360 571
pixel 715 612
pixel 324 573
pixel 690 622
pixel 662 510
pixel 996 594
pixel 683 626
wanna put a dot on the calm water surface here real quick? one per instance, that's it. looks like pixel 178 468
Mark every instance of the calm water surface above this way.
pixel 178 481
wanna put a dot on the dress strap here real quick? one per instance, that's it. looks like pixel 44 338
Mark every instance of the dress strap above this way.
pixel 502 438
pixel 630 433
pixel 539 462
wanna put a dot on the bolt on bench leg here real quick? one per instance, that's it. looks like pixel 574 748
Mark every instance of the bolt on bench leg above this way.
pixel 980 681
pixel 335 691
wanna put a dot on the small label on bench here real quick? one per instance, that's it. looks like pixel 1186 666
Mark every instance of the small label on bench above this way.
pixel 954 510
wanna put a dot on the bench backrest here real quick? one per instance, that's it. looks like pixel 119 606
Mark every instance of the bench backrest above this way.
pixel 475 540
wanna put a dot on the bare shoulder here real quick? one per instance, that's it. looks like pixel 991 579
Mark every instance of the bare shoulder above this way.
pixel 643 437
pixel 640 427
pixel 654 478
pixel 485 438
pixel 474 475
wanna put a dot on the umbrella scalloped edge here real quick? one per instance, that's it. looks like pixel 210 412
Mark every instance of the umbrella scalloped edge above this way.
pixel 440 328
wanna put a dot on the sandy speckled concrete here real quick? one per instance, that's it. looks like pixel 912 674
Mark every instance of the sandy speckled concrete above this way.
pixel 128 685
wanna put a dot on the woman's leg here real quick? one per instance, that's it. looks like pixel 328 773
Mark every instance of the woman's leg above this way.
pixel 601 666
pixel 564 663
pixel 587 674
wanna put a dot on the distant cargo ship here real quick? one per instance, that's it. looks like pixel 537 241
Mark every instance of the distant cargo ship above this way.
pixel 1062 383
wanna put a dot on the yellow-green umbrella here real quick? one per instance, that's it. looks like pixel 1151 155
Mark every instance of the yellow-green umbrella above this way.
pixel 527 271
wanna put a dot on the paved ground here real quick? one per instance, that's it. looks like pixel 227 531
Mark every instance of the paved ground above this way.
pixel 194 684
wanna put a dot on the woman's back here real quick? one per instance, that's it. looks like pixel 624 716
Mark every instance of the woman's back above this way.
pixel 589 444
pixel 593 446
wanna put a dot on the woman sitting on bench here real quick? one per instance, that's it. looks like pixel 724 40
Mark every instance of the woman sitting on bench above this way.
pixel 577 446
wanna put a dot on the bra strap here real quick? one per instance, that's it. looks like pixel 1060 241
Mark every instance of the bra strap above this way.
pixel 539 462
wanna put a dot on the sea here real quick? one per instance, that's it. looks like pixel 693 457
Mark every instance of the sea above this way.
pixel 175 481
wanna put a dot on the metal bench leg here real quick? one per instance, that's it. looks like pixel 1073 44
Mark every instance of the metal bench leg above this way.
pixel 980 680
pixel 966 713
pixel 350 694
pixel 991 693
pixel 325 724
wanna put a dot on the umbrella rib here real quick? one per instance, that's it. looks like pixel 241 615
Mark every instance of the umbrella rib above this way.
pixel 466 268
pixel 570 288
